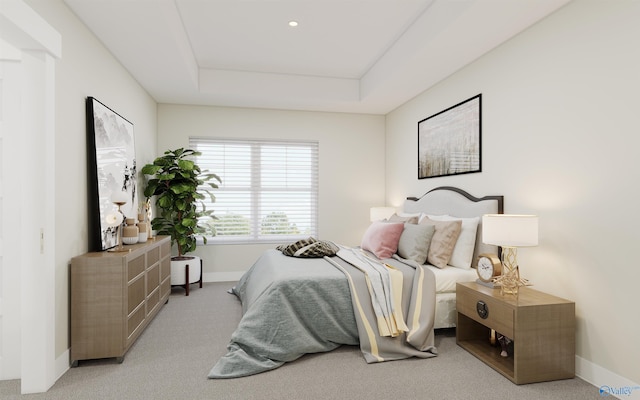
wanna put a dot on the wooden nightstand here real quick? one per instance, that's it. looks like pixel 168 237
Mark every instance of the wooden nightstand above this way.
pixel 541 326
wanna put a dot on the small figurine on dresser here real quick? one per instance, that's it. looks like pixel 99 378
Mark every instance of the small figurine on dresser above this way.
pixel 504 343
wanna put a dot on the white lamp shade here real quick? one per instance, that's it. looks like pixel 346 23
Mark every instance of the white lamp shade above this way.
pixel 380 213
pixel 510 230
pixel 119 197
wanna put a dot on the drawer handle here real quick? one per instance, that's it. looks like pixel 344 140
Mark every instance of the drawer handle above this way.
pixel 482 309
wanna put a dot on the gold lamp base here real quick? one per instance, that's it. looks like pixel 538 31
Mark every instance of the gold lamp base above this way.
pixel 510 280
pixel 119 250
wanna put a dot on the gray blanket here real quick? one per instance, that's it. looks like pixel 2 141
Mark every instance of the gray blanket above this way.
pixel 296 306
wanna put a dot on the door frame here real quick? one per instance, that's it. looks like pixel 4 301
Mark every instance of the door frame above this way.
pixel 39 45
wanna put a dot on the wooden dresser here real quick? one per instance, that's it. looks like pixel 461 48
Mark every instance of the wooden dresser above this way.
pixel 115 295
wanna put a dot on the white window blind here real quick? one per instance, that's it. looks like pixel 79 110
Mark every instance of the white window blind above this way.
pixel 269 190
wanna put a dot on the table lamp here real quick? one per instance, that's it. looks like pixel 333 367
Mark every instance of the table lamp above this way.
pixel 510 231
pixel 380 213
pixel 117 220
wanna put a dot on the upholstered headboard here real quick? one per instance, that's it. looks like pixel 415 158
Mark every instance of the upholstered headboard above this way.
pixel 448 200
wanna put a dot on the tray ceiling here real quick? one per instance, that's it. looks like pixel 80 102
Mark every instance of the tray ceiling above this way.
pixel 364 56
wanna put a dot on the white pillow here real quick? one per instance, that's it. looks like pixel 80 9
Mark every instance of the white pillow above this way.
pixel 462 256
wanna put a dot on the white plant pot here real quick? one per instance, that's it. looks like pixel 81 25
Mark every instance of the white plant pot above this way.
pixel 178 268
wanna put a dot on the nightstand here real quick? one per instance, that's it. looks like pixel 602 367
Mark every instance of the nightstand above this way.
pixel 541 326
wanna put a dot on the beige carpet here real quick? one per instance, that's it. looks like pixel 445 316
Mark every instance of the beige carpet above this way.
pixel 172 357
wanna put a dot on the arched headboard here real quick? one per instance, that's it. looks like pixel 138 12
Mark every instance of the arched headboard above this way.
pixel 449 200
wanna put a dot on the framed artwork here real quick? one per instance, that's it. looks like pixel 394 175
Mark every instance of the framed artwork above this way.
pixel 449 142
pixel 111 168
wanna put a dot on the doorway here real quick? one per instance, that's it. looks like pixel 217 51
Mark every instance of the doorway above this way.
pixel 28 50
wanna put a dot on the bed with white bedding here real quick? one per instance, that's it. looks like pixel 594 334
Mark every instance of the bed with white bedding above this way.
pixel 293 306
pixel 456 203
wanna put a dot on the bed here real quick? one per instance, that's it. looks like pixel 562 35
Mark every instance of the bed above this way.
pixel 292 306
pixel 447 200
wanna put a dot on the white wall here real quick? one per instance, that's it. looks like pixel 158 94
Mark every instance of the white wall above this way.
pixel 85 69
pixel 560 139
pixel 351 167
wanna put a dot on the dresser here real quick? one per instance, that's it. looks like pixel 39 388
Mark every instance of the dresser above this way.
pixel 114 296
pixel 541 326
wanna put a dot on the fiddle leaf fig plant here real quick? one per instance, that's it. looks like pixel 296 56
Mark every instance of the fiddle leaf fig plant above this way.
pixel 182 213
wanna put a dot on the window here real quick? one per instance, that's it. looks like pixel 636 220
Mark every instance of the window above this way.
pixel 269 190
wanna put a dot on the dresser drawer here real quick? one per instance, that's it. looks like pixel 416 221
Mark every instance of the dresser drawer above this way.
pixel 135 294
pixel 499 316
pixel 153 256
pixel 153 278
pixel 135 267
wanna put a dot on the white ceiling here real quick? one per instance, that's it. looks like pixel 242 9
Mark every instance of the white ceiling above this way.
pixel 364 56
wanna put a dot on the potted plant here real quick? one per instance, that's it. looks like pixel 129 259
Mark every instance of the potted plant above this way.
pixel 181 212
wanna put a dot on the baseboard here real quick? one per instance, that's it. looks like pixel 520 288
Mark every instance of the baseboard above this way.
pixel 62 364
pixel 608 384
pixel 222 276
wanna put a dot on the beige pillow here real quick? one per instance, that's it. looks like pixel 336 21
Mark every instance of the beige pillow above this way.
pixel 407 219
pixel 462 256
pixel 444 240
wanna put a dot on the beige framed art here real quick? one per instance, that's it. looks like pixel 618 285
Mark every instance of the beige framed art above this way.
pixel 449 142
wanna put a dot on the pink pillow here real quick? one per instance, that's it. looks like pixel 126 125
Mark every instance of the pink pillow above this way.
pixel 381 238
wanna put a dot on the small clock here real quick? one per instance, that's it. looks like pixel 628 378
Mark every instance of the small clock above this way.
pixel 489 267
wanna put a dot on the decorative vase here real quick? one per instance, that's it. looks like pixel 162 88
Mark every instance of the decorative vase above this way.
pixel 143 233
pixel 130 232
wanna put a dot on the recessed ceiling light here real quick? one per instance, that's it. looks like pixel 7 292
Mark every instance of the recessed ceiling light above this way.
pixel 293 23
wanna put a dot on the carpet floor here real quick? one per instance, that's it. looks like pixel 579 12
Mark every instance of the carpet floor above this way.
pixel 172 357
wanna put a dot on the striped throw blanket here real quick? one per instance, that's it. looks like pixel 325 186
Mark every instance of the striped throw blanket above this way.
pixel 385 289
pixel 414 298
